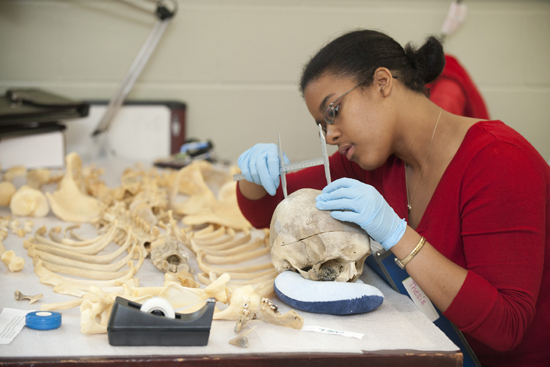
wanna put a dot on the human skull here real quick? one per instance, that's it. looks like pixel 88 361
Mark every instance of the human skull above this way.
pixel 308 240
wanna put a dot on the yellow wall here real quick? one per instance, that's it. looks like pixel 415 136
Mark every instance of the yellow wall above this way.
pixel 236 63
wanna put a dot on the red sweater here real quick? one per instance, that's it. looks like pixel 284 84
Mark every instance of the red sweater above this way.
pixel 489 214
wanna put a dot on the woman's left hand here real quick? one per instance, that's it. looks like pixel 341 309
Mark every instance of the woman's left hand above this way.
pixel 353 201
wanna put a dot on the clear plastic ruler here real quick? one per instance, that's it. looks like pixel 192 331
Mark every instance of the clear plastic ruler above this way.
pixel 284 168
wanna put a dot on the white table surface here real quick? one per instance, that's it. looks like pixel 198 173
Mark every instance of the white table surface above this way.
pixel 396 325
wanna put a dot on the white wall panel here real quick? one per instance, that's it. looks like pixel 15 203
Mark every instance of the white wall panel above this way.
pixel 237 63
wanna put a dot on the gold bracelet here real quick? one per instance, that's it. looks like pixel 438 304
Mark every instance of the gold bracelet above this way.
pixel 411 256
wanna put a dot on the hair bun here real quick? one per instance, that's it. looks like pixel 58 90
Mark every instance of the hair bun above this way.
pixel 428 60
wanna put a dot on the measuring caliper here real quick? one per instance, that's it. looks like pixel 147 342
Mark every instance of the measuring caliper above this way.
pixel 284 168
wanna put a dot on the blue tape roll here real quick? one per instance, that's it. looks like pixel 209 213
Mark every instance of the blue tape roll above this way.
pixel 43 320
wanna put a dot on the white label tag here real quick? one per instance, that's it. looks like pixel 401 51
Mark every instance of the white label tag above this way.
pixel 11 323
pixel 324 330
pixel 420 299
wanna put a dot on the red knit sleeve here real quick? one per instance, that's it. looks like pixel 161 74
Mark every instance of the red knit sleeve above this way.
pixel 503 227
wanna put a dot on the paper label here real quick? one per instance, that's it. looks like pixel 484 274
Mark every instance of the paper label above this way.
pixel 324 330
pixel 12 322
pixel 420 299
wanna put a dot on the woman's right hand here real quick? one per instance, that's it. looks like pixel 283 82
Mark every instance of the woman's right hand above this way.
pixel 260 165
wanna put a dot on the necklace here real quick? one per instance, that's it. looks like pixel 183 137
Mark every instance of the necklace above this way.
pixel 409 199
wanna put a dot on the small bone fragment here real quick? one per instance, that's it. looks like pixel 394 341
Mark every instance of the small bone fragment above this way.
pixel 185 278
pixel 14 225
pixel 29 202
pixel 7 189
pixel 12 261
pixel 38 177
pixel 32 299
pixel 241 340
pixel 3 234
pixel 27 227
pixel 15 171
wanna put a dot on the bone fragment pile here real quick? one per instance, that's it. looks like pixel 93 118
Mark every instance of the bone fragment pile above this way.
pixel 167 216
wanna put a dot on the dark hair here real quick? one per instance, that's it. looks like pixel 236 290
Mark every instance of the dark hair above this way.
pixel 359 53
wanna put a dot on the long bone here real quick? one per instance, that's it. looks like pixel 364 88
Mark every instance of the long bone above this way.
pixel 88 295
pixel 265 278
pixel 212 235
pixel 226 242
pixel 208 229
pixel 72 234
pixel 55 280
pixel 77 292
pixel 95 259
pixel 207 268
pixel 264 288
pixel 84 273
pixel 215 242
pixel 241 249
pixel 239 258
pixel 252 275
pixel 221 246
pixel 50 277
pixel 41 271
pixel 251 278
pixel 56 235
pixel 60 260
pixel 90 249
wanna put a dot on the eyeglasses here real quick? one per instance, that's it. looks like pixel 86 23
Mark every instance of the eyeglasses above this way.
pixel 331 111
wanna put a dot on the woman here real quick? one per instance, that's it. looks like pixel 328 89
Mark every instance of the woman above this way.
pixel 463 203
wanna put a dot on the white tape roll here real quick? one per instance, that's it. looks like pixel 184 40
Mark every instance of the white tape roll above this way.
pixel 159 304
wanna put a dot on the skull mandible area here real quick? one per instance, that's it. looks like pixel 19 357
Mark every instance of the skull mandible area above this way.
pixel 311 242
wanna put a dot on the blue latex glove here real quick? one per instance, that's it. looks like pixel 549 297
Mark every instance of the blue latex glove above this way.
pixel 260 165
pixel 359 203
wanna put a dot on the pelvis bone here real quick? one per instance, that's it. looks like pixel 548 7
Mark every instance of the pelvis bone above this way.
pixel 311 242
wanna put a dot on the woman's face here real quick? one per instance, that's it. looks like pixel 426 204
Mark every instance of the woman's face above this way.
pixel 360 129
